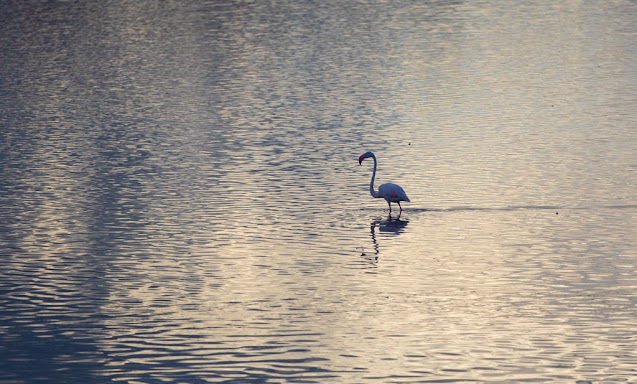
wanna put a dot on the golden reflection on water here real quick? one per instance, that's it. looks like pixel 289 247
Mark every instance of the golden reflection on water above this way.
pixel 183 202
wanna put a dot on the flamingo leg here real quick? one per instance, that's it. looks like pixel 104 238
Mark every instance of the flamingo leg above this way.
pixel 401 208
pixel 388 203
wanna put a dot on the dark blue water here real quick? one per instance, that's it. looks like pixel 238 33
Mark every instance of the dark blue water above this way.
pixel 180 197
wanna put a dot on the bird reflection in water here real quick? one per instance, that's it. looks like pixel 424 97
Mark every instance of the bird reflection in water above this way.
pixel 392 226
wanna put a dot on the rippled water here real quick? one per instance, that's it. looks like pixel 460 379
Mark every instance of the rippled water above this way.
pixel 180 197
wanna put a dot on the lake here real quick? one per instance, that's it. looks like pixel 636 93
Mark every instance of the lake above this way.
pixel 181 198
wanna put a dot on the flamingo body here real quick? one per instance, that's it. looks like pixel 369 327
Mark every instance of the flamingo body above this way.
pixel 388 191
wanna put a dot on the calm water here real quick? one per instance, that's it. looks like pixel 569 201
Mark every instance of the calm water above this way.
pixel 181 201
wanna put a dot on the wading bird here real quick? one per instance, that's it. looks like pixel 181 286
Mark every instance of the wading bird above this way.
pixel 388 191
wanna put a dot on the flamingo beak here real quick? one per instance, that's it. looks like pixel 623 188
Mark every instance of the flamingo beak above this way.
pixel 360 159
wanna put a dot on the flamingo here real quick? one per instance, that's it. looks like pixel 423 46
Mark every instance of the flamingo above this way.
pixel 388 191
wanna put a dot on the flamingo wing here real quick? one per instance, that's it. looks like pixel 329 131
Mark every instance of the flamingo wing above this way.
pixel 392 192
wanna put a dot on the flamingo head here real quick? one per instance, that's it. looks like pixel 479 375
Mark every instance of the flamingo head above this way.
pixel 364 156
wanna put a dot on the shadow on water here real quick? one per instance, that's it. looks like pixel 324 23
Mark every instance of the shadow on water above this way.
pixel 518 208
pixel 26 353
pixel 393 226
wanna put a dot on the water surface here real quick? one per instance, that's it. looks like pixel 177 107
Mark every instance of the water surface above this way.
pixel 180 197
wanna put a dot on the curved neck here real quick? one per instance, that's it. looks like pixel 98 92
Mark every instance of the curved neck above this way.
pixel 371 183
